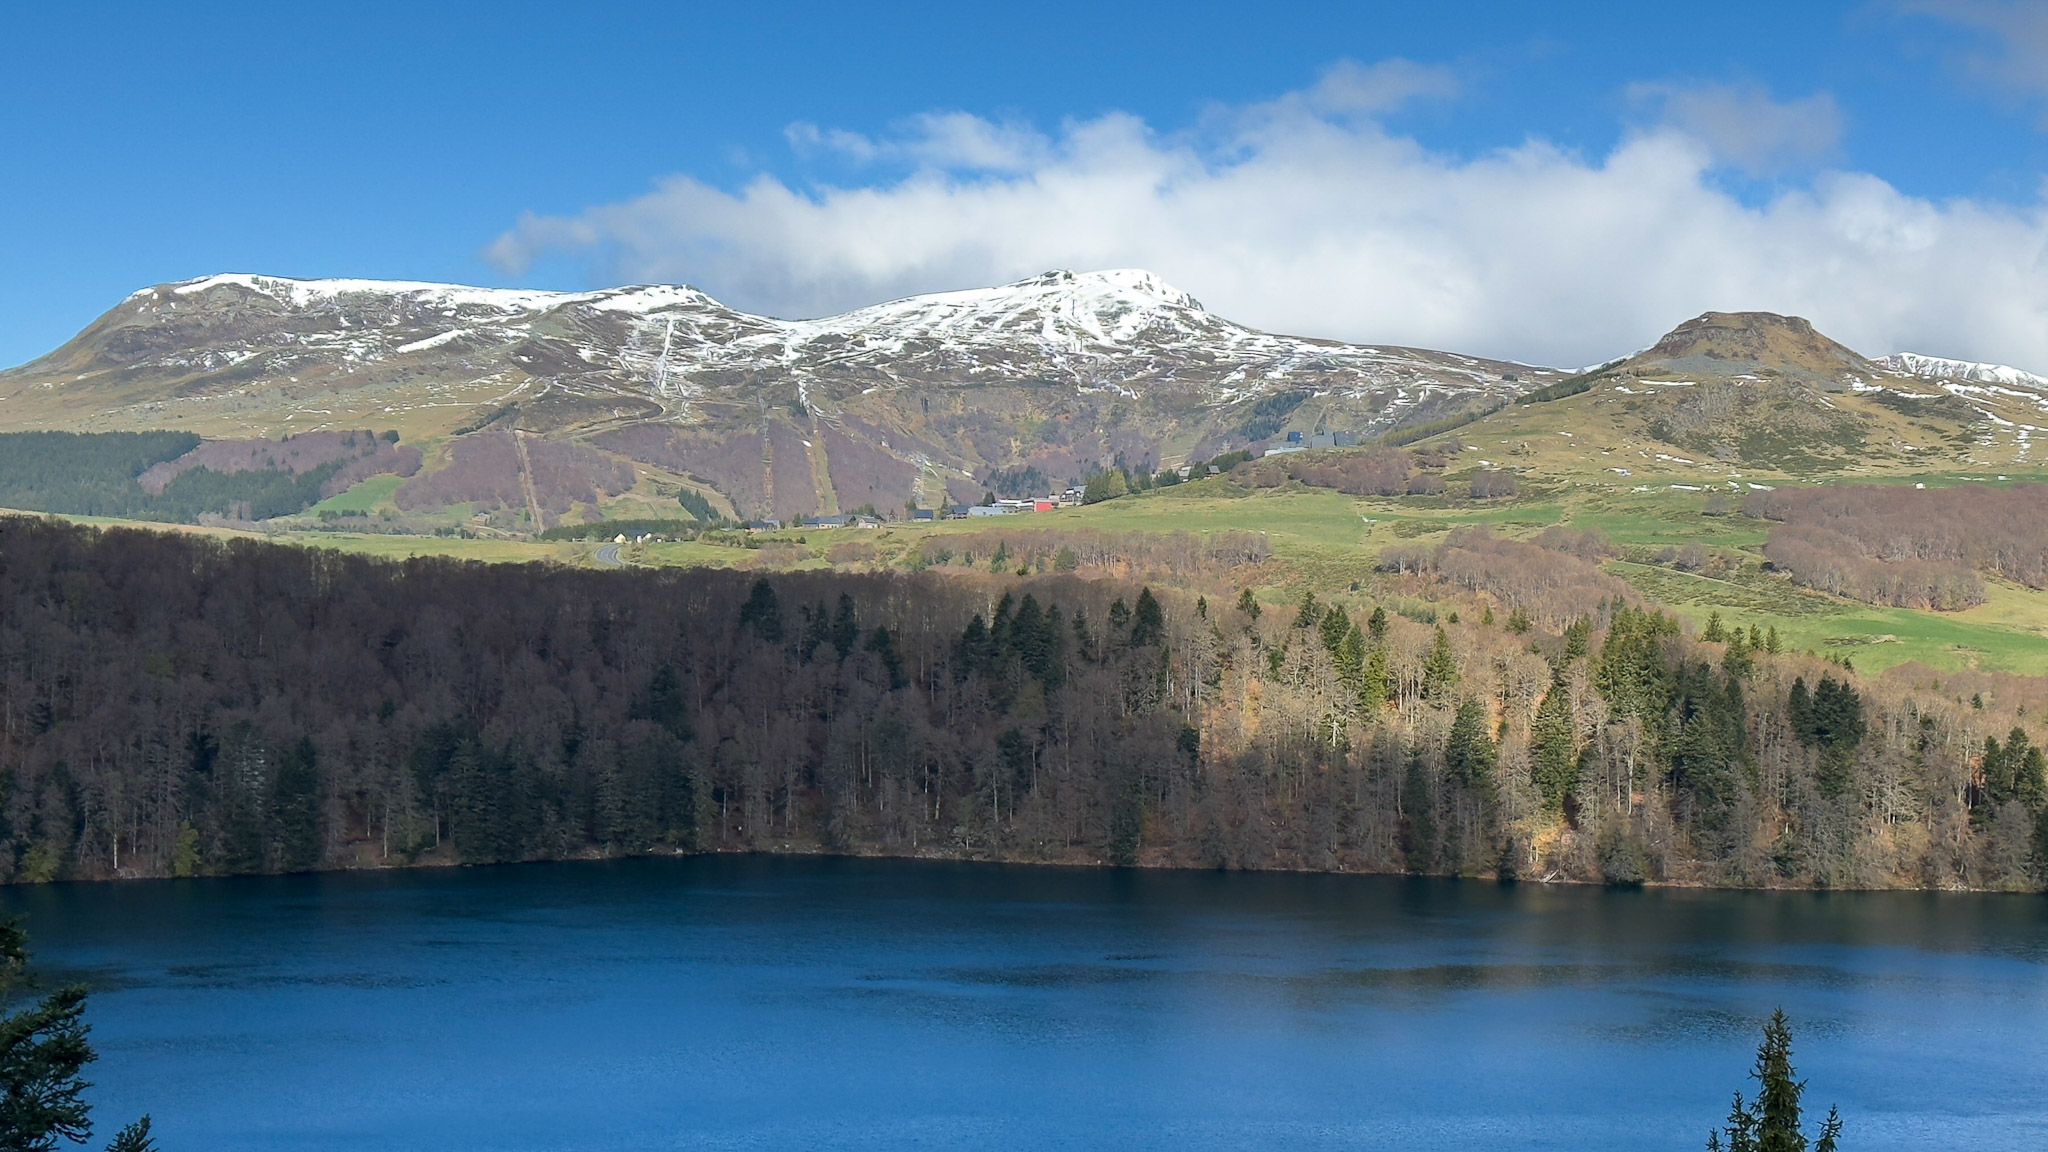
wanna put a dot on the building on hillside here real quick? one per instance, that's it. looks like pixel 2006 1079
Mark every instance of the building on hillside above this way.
pixel 824 522
pixel 1043 505
pixel 987 510
pixel 921 514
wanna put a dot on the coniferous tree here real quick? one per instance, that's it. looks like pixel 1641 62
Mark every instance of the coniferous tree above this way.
pixel 884 646
pixel 1349 659
pixel 1440 671
pixel 1738 660
pixel 1469 752
pixel 1376 685
pixel 764 612
pixel 1771 1122
pixel 295 810
pixel 1248 604
pixel 845 630
pixel 1553 747
pixel 1148 623
pixel 1308 613
pixel 43 1054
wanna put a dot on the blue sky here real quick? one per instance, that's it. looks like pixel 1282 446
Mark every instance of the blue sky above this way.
pixel 803 157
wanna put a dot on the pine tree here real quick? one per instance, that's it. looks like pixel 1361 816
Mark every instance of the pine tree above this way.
pixel 1248 604
pixel 1375 686
pixel 1770 1123
pixel 1714 633
pixel 1799 710
pixel 1119 616
pixel 764 612
pixel 1440 671
pixel 1148 623
pixel 1578 637
pixel 1738 661
pixel 1310 613
pixel 1334 626
pixel 845 631
pixel 1554 748
pixel 295 810
pixel 1469 752
pixel 1349 658
pixel 1777 1097
pixel 43 1054
pixel 1377 624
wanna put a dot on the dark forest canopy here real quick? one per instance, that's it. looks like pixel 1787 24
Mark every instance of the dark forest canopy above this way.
pixel 174 705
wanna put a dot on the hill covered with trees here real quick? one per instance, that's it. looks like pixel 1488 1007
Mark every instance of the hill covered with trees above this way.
pixel 174 705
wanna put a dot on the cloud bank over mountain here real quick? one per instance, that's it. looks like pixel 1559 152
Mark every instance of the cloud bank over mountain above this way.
pixel 1309 214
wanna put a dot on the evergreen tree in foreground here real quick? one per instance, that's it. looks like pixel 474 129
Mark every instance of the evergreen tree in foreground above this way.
pixel 1770 1123
pixel 43 1050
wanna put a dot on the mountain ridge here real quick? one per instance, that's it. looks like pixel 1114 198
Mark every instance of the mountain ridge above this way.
pixel 930 398
pixel 926 397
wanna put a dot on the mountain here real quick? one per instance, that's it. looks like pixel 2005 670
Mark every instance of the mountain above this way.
pixel 1756 394
pixel 1022 386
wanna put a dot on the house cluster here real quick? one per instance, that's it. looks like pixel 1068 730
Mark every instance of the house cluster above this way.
pixel 1011 507
pixel 835 521
pixel 1296 442
pixel 1072 497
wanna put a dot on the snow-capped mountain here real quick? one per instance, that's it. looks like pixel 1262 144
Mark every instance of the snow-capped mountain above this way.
pixel 1937 368
pixel 1058 373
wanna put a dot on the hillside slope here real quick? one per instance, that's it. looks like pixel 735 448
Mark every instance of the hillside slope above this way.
pixel 924 397
pixel 1754 396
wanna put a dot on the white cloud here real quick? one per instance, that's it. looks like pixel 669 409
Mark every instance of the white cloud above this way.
pixel 1745 126
pixel 1306 215
pixel 2016 57
pixel 955 141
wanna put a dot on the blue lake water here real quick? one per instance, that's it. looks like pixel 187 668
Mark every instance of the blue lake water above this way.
pixel 759 1003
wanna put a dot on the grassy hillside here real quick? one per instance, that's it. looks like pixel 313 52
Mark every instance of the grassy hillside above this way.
pixel 1326 542
pixel 1666 545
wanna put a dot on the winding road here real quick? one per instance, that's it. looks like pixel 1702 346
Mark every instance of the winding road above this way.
pixel 608 557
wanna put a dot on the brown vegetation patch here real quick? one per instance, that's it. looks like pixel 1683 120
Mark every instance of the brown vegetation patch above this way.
pixel 362 454
pixel 484 469
pixel 1907 547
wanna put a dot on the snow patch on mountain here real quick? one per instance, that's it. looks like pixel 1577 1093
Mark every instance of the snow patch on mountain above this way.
pixel 1940 368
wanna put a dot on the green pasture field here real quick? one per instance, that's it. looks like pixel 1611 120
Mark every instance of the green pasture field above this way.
pixel 1325 541
pixel 360 499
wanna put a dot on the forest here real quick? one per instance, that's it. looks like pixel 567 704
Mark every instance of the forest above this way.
pixel 172 476
pixel 173 705
pixel 1907 547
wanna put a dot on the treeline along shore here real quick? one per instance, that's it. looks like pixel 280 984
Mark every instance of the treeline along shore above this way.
pixel 172 705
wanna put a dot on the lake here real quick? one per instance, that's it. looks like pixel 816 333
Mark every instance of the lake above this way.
pixel 762 1003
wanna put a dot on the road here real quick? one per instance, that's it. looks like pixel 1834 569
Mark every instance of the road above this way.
pixel 608 557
